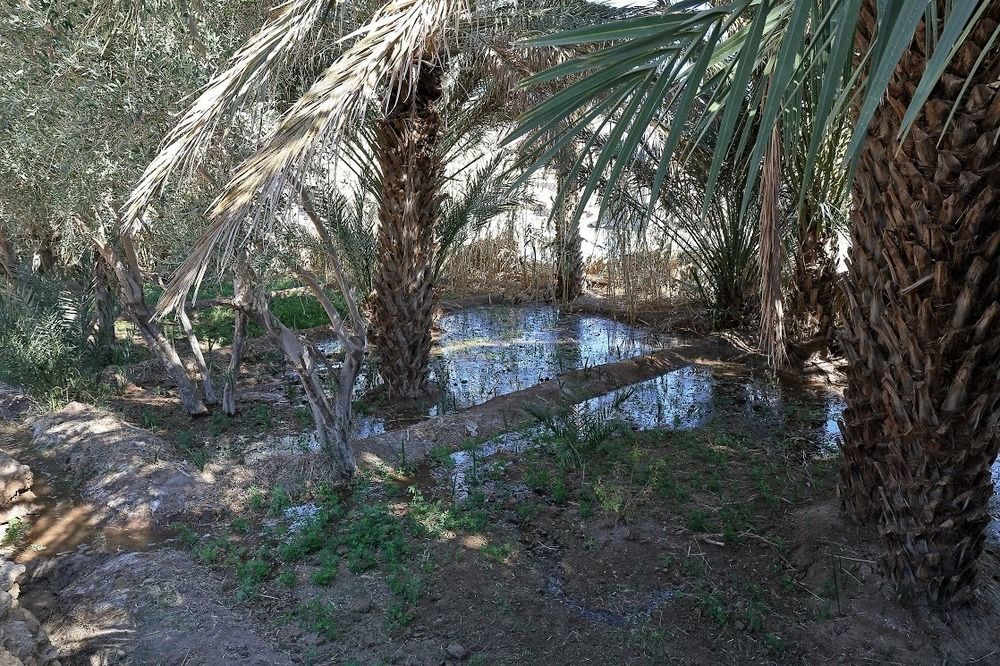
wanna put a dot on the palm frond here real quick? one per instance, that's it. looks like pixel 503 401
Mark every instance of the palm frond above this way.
pixel 252 66
pixel 389 51
pixel 772 302
pixel 718 247
pixel 696 68
pixel 488 193
pixel 350 221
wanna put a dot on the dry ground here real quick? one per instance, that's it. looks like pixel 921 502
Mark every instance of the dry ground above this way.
pixel 720 543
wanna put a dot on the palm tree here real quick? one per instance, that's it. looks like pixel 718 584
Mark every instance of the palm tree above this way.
pixel 396 62
pixel 922 338
pixel 816 221
pixel 719 246
pixel 411 148
pixel 925 310
pixel 410 162
pixel 385 57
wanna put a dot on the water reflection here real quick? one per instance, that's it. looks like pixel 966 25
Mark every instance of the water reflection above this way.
pixel 683 399
pixel 489 351
pixel 679 399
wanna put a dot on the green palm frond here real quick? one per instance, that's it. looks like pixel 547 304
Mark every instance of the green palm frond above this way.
pixel 332 122
pixel 486 194
pixel 695 70
pixel 719 248
pixel 350 221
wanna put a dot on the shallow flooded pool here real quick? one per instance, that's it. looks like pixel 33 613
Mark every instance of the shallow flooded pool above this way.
pixel 487 351
pixel 686 398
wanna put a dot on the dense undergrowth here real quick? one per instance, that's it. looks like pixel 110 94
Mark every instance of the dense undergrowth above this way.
pixel 49 345
pixel 47 340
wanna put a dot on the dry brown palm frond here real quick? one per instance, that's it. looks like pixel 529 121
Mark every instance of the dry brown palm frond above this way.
pixel 772 304
pixel 388 49
pixel 249 68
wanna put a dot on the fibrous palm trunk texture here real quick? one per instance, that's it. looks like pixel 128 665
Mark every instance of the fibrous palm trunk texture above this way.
pixel 568 243
pixel 813 297
pixel 923 321
pixel 412 174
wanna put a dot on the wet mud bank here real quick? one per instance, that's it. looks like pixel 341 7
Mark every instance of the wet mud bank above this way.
pixel 517 409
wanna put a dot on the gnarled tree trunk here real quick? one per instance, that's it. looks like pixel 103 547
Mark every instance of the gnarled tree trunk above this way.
pixel 332 420
pixel 407 149
pixel 242 300
pixel 134 302
pixel 8 258
pixel 104 305
pixel 208 386
pixel 923 334
pixel 43 259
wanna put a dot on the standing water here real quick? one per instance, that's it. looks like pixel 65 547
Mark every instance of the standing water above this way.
pixel 489 351
pixel 683 399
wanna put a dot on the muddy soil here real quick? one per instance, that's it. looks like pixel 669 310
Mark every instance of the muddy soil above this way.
pixel 678 509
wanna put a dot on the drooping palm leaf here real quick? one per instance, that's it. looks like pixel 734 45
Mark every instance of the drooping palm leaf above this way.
pixel 251 67
pixel 387 51
pixel 696 69
pixel 488 193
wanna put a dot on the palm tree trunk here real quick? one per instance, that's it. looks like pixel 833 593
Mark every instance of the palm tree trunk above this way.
pixel 923 330
pixel 569 244
pixel 407 148
pixel 861 422
pixel 813 298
